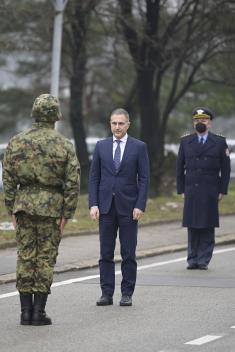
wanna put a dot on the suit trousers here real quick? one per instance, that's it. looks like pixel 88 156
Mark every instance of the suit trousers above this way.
pixel 201 244
pixel 109 224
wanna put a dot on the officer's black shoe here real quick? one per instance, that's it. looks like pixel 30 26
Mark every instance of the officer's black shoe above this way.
pixel 26 301
pixel 39 316
pixel 192 267
pixel 126 301
pixel 203 267
pixel 105 301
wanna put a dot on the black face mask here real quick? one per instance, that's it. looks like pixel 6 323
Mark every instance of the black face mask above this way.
pixel 200 127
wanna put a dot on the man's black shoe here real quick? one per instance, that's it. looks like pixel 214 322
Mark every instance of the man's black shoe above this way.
pixel 126 301
pixel 203 267
pixel 104 301
pixel 192 267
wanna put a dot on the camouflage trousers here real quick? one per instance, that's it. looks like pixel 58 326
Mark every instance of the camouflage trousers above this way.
pixel 38 239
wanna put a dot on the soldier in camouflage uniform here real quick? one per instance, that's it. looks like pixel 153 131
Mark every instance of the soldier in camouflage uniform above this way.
pixel 41 177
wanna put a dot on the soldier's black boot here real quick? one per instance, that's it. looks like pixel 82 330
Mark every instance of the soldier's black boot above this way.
pixel 26 301
pixel 39 316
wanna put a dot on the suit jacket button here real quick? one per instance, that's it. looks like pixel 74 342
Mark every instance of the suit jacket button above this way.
pixel 196 184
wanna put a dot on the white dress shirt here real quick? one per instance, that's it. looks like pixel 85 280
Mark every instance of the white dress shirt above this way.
pixel 122 144
pixel 204 136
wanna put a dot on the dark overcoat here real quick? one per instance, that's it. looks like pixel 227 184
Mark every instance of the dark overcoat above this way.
pixel 203 173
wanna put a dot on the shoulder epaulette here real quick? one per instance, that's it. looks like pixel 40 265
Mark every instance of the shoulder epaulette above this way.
pixel 185 134
pixel 219 135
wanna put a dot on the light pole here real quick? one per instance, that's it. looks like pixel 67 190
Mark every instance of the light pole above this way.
pixel 59 6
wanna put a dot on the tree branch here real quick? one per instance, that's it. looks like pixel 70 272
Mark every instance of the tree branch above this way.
pixel 130 33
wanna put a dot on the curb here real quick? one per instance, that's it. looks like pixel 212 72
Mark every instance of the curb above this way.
pixel 140 254
pixel 12 243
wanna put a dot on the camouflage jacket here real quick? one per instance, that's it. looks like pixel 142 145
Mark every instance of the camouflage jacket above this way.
pixel 41 173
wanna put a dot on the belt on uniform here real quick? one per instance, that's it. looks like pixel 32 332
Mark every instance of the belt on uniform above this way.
pixel 35 186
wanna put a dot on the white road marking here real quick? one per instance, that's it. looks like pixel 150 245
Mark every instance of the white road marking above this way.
pixel 10 294
pixel 143 267
pixel 218 251
pixel 78 279
pixel 202 340
pixel 232 327
pixel 153 265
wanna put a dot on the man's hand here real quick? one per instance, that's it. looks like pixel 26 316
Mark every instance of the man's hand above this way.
pixel 182 195
pixel 13 217
pixel 63 222
pixel 220 196
pixel 137 213
pixel 94 213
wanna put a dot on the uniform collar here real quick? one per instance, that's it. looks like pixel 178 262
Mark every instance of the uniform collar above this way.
pixel 50 125
pixel 204 136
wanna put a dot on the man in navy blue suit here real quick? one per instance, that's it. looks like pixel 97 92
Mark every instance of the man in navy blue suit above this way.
pixel 118 187
pixel 203 171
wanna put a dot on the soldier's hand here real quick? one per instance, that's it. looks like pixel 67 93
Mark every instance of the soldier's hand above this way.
pixel 94 213
pixel 137 213
pixel 63 222
pixel 13 217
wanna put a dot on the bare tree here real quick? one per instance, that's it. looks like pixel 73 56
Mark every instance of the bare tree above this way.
pixel 76 30
pixel 169 46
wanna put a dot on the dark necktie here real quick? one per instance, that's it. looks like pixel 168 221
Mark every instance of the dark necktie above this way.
pixel 201 141
pixel 117 155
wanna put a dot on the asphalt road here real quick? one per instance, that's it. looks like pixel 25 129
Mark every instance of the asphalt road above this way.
pixel 173 310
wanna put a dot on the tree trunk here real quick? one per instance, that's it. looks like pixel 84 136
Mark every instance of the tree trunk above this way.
pixel 151 128
pixel 79 16
pixel 76 120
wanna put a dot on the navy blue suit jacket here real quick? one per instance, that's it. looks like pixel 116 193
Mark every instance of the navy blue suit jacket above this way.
pixel 129 184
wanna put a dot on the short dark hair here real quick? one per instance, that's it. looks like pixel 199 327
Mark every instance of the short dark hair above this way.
pixel 120 111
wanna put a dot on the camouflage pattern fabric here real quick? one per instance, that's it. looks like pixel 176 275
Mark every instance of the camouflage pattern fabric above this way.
pixel 38 240
pixel 41 173
pixel 46 108
pixel 41 178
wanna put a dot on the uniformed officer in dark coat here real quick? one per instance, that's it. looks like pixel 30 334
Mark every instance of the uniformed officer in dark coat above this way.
pixel 203 172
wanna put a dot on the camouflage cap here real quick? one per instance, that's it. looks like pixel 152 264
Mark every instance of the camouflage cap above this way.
pixel 46 108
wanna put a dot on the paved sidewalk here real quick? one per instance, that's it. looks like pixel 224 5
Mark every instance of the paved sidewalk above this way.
pixel 82 251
